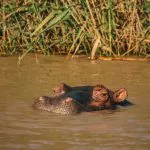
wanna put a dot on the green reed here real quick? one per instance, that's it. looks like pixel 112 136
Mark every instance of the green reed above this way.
pixel 92 27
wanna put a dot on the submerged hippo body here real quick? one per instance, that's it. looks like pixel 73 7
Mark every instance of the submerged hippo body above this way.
pixel 115 97
pixel 74 101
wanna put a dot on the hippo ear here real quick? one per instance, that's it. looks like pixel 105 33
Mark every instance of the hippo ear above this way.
pixel 120 95
pixel 61 89
pixel 62 85
pixel 65 87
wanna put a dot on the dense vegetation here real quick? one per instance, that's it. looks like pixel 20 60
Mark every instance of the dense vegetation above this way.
pixel 92 27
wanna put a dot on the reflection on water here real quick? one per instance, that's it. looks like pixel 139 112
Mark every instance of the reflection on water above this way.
pixel 25 128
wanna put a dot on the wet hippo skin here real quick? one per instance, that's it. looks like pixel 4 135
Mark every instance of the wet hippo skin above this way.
pixel 75 101
pixel 69 103
pixel 117 97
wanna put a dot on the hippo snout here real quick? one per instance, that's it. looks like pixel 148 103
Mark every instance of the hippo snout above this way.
pixel 59 105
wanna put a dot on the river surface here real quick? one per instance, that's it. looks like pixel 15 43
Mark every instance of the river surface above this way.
pixel 22 127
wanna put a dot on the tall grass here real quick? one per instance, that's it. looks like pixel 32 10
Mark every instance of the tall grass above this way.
pixel 92 27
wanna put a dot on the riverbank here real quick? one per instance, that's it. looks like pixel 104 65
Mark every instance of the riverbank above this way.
pixel 132 58
pixel 69 57
pixel 94 28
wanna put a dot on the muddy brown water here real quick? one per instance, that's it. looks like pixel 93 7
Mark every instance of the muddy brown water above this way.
pixel 22 127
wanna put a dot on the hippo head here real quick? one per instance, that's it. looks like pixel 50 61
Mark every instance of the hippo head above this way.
pixel 61 89
pixel 104 98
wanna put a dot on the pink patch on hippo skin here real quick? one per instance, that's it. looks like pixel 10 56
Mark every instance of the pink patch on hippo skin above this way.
pixel 42 99
pixel 68 100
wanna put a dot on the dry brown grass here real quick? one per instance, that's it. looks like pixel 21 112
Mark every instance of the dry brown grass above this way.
pixel 92 27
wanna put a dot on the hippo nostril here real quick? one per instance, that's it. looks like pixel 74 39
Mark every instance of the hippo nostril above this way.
pixel 63 92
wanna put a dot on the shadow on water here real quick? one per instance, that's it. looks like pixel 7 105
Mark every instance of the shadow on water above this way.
pixel 126 103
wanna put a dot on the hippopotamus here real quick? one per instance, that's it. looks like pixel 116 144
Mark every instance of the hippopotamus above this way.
pixel 115 97
pixel 76 101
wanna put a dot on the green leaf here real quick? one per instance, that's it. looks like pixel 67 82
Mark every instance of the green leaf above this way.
pixel 43 22
pixel 59 17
